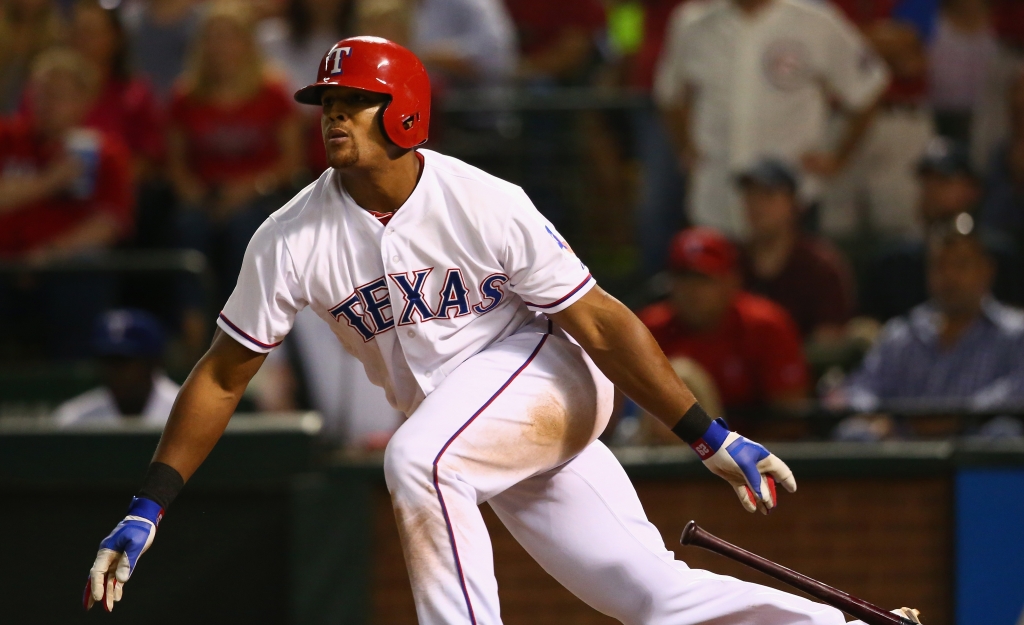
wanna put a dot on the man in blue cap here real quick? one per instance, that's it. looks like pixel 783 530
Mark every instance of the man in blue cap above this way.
pixel 130 345
pixel 802 273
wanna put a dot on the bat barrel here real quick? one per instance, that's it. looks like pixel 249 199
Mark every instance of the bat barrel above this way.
pixel 858 608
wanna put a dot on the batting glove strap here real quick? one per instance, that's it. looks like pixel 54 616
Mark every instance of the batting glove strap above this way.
pixel 712 439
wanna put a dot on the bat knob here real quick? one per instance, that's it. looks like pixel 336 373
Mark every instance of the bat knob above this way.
pixel 689 533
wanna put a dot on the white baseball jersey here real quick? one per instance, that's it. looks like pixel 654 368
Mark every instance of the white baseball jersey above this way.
pixel 460 276
pixel 759 83
pixel 465 262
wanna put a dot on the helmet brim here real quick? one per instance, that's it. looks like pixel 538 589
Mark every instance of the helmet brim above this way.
pixel 313 94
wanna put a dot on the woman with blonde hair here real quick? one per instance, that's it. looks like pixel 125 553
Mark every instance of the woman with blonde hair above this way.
pixel 235 144
pixel 27 27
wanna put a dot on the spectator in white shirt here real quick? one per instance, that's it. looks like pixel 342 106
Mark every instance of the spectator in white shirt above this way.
pixel 129 344
pixel 739 80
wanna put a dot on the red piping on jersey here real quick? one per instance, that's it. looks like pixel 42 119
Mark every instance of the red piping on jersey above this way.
pixel 437 484
pixel 239 330
pixel 570 294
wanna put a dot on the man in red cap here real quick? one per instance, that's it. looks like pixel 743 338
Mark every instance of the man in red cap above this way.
pixel 748 345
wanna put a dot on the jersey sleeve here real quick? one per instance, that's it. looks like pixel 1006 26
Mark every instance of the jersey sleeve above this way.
pixel 542 268
pixel 267 296
pixel 854 72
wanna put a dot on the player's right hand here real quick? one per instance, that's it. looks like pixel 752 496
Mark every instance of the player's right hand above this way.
pixel 120 551
pixel 751 469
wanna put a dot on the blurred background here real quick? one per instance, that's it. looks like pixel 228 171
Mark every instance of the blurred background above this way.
pixel 816 206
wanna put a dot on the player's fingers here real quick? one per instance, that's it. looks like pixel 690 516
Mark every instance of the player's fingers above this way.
pixel 108 593
pixel 87 599
pixel 118 589
pixel 97 579
pixel 775 467
pixel 124 568
pixel 768 500
pixel 746 496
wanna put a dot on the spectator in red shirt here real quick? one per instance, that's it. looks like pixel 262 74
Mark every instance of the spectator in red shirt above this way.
pixel 804 274
pixel 126 106
pixel 235 143
pixel 64 191
pixel 749 345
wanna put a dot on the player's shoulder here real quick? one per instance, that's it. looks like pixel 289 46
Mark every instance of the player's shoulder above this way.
pixel 297 218
pixel 454 173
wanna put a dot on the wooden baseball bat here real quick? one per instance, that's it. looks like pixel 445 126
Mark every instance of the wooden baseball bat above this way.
pixel 858 608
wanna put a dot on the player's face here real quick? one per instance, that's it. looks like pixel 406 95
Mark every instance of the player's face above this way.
pixel 351 131
pixel 959 276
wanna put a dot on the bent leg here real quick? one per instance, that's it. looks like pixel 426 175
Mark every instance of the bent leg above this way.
pixel 584 525
pixel 516 410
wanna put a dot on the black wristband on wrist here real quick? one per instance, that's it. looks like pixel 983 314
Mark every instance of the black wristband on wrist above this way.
pixel 693 424
pixel 162 484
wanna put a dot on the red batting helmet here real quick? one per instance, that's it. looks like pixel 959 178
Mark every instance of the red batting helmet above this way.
pixel 380 66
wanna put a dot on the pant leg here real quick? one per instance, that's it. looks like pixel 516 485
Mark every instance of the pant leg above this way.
pixel 585 526
pixel 519 408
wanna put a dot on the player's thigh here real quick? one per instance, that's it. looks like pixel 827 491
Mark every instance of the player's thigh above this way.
pixel 518 408
pixel 584 525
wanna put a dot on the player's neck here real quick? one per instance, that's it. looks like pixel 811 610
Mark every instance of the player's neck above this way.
pixel 383 189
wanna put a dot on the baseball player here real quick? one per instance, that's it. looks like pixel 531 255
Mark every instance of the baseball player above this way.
pixel 487 331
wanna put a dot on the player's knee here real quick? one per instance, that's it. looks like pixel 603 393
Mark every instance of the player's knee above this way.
pixel 407 464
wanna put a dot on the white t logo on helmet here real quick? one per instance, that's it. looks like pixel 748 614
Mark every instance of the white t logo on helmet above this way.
pixel 337 54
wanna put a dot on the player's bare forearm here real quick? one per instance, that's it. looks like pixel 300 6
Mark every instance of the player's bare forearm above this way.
pixel 623 348
pixel 205 404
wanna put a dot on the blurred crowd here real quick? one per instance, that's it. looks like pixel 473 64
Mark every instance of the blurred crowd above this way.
pixel 812 204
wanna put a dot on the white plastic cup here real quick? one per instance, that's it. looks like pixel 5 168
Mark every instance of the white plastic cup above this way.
pixel 84 146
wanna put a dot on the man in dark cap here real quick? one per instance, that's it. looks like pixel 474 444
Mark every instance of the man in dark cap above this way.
pixel 950 192
pixel 749 345
pixel 129 344
pixel 802 273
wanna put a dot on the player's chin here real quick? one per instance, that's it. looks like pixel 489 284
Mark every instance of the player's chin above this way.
pixel 342 157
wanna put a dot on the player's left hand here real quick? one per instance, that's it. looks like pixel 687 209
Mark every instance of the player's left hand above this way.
pixel 751 469
pixel 120 551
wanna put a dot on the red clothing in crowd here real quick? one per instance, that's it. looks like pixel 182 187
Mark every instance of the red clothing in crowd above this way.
pixel 541 22
pixel 643 63
pixel 36 224
pixel 815 286
pixel 128 109
pixel 754 355
pixel 230 142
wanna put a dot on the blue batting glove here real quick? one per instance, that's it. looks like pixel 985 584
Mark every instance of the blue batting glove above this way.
pixel 120 551
pixel 750 468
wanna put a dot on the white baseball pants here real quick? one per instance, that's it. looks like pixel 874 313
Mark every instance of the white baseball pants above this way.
pixel 515 426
